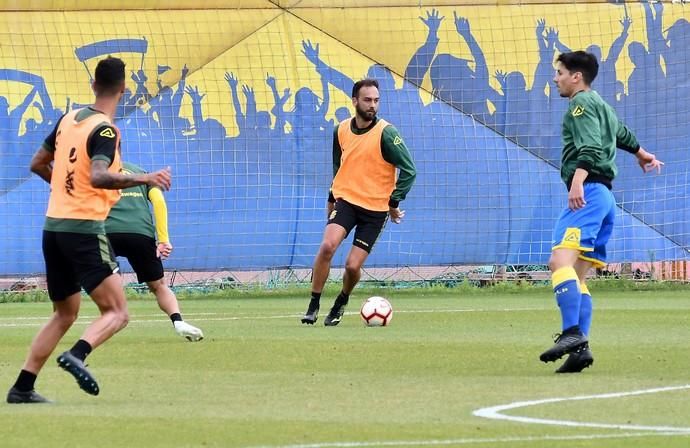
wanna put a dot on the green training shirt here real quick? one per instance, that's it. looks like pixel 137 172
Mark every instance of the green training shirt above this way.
pixel 591 134
pixel 132 213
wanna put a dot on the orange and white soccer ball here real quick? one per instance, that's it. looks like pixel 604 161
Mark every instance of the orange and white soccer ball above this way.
pixel 376 312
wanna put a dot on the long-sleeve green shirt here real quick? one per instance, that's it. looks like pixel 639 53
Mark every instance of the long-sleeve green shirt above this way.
pixel 591 134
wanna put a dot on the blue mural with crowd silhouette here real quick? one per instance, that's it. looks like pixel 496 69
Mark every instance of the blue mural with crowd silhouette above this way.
pixel 488 188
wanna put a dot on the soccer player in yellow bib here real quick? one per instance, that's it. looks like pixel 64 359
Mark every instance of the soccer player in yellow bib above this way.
pixel 591 134
pixel 81 161
pixel 367 153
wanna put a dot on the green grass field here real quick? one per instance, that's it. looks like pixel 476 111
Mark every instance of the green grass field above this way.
pixel 261 379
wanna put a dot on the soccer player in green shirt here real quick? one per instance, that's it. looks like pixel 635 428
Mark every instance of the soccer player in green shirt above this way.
pixel 591 134
pixel 132 234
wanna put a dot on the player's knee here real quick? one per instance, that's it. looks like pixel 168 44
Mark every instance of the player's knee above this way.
pixel 155 286
pixel 66 317
pixel 553 265
pixel 563 258
pixel 556 262
pixel 352 268
pixel 328 249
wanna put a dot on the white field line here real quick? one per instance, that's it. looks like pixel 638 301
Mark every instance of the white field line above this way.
pixel 473 441
pixel 14 322
pixel 496 412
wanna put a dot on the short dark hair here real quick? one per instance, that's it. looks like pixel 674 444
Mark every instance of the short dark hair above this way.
pixel 580 61
pixel 363 83
pixel 110 74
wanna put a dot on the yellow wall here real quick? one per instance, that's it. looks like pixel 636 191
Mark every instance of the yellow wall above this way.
pixel 256 38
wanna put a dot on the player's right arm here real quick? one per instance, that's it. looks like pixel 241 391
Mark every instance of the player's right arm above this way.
pixel 337 154
pixel 42 164
pixel 42 161
pixel 101 148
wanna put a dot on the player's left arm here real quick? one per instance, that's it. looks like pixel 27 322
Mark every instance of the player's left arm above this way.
pixel 648 161
pixel 626 140
pixel 395 152
pixel 160 213
pixel 101 148
pixel 337 154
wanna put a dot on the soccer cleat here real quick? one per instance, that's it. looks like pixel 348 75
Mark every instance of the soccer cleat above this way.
pixel 16 396
pixel 189 332
pixel 567 342
pixel 577 361
pixel 312 314
pixel 335 315
pixel 75 366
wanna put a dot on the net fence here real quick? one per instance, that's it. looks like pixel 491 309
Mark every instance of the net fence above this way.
pixel 240 99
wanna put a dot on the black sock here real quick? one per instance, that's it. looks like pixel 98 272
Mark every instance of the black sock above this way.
pixel 81 349
pixel 343 298
pixel 175 317
pixel 25 381
pixel 315 296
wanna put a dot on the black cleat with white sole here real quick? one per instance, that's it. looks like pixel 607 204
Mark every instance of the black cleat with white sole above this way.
pixel 335 315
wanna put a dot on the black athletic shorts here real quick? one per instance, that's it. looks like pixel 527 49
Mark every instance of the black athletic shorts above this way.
pixel 75 261
pixel 369 223
pixel 141 252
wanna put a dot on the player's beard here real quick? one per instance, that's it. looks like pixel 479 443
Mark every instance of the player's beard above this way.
pixel 366 115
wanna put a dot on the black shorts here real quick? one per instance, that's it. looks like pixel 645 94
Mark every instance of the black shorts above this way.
pixel 75 261
pixel 369 223
pixel 141 252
